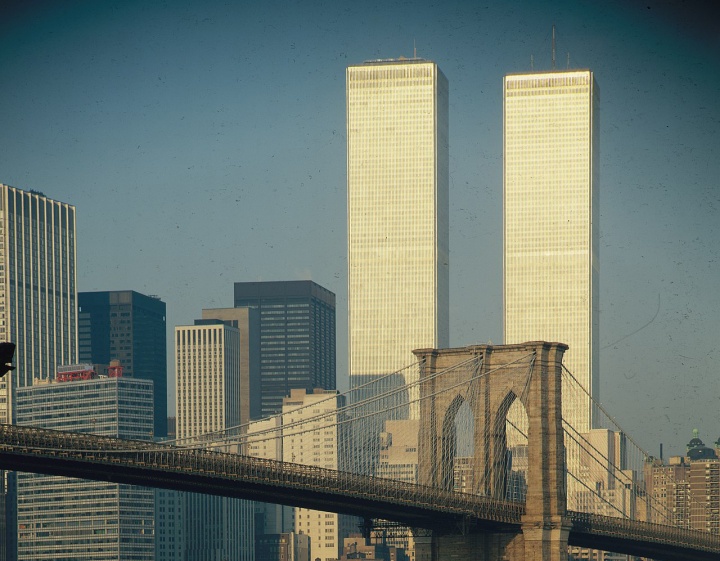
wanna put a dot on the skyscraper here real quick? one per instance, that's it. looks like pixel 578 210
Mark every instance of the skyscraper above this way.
pixel 297 337
pixel 68 518
pixel 397 169
pixel 207 382
pixel 130 327
pixel 37 287
pixel 247 320
pixel 550 205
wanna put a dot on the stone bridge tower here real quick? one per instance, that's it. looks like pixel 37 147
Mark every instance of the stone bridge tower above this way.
pixel 528 372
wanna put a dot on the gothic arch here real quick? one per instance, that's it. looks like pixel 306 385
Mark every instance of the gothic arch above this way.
pixel 528 372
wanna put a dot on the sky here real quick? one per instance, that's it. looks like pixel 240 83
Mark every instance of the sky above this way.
pixel 203 143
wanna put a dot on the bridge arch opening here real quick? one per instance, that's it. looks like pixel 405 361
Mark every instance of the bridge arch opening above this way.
pixel 514 416
pixel 458 437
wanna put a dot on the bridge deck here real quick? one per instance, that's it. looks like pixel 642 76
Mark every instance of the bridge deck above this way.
pixel 150 464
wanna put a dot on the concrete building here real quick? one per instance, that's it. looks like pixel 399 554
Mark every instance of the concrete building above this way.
pixel 287 546
pixel 297 338
pixel 550 222
pixel 130 327
pixel 247 321
pixel 207 372
pixel 38 305
pixel 398 460
pixel 67 518
pixel 169 525
pixel 356 547
pixel 310 437
pixel 686 490
pixel 608 488
pixel 398 240
pixel 38 288
pixel 265 440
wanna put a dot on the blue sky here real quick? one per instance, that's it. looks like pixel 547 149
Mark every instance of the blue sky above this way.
pixel 203 143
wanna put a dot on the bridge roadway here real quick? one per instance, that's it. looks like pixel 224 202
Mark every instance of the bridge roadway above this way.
pixel 154 465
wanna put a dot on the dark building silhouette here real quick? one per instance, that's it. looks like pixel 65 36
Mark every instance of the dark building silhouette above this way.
pixel 130 327
pixel 297 337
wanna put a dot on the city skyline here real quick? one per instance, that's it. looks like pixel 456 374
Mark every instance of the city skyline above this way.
pixel 155 139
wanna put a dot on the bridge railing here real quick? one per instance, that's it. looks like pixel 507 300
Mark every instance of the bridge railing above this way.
pixel 629 529
pixel 101 450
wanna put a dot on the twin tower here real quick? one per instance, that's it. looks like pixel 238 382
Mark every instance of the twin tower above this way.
pixel 398 216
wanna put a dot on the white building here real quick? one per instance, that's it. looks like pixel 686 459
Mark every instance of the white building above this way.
pixel 67 518
pixel 397 169
pixel 550 211
pixel 38 289
pixel 310 437
pixel 398 460
pixel 207 378
pixel 265 440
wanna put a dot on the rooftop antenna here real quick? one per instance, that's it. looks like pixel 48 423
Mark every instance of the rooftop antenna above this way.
pixel 532 63
pixel 553 46
pixel 414 50
pixel 568 61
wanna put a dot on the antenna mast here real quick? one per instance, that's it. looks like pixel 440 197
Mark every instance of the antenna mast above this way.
pixel 414 49
pixel 553 46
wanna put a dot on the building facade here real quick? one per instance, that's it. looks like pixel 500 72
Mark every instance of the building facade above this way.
pixel 38 305
pixel 398 240
pixel 685 492
pixel 38 288
pixel 265 440
pixel 130 327
pixel 207 378
pixel 310 437
pixel 67 518
pixel 550 221
pixel 297 338
pixel 247 321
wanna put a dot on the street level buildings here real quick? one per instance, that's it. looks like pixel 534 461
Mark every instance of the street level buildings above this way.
pixel 207 372
pixel 686 491
pixel 550 221
pixel 297 338
pixel 398 241
pixel 67 518
pixel 130 327
pixel 311 436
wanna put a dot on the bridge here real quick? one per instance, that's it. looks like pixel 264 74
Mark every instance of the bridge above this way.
pixel 481 522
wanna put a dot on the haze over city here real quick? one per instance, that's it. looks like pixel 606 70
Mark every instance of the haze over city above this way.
pixel 203 143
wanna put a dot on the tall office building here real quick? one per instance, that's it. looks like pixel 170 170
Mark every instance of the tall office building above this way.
pixel 550 205
pixel 247 320
pixel 68 518
pixel 38 307
pixel 207 383
pixel 297 337
pixel 397 170
pixel 130 327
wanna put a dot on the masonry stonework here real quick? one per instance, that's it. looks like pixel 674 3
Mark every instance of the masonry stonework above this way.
pixel 531 373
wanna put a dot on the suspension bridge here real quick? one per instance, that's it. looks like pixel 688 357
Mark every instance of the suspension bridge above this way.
pixel 487 484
